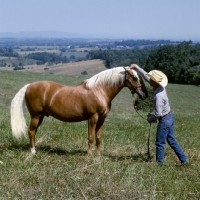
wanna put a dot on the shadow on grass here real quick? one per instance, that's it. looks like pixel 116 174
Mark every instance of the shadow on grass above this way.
pixel 47 149
pixel 18 146
pixel 59 151
pixel 138 157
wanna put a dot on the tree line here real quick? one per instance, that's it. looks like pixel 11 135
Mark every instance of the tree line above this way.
pixel 138 43
pixel 44 57
pixel 181 63
pixel 115 58
pixel 8 52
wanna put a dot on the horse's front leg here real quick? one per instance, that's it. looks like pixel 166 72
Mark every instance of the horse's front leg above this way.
pixel 98 134
pixel 91 130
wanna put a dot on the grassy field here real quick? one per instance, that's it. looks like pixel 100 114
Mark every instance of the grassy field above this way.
pixel 31 64
pixel 61 168
pixel 79 52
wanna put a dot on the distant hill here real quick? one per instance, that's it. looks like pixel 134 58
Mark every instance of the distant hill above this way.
pixel 56 34
pixel 42 34
pixel 61 34
pixel 89 67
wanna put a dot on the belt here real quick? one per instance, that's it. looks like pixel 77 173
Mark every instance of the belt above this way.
pixel 164 115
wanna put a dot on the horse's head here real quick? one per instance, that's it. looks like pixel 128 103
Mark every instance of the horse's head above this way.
pixel 135 83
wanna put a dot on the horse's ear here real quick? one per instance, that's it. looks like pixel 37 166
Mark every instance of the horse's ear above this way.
pixel 125 68
pixel 128 70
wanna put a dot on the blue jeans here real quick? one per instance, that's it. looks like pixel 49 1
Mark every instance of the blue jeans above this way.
pixel 165 131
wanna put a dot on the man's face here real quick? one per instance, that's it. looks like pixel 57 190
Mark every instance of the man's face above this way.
pixel 151 83
pixel 154 84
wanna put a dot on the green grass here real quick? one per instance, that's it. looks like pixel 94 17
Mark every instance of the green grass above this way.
pixel 76 53
pixel 61 168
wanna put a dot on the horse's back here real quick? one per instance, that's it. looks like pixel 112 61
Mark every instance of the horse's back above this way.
pixel 44 84
pixel 38 94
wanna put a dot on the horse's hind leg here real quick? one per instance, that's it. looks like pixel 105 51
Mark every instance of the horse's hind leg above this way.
pixel 34 124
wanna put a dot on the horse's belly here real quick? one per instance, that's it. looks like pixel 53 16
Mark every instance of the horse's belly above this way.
pixel 74 106
pixel 75 117
pixel 70 113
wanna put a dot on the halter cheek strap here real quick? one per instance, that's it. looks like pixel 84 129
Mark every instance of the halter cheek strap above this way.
pixel 132 85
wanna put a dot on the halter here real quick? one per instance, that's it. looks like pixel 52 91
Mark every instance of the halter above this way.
pixel 132 85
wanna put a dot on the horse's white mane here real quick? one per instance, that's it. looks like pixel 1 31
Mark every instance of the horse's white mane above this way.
pixel 112 77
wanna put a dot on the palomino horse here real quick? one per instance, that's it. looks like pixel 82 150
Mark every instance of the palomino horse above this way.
pixel 90 100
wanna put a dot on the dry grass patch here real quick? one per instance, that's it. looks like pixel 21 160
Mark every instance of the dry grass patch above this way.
pixel 92 67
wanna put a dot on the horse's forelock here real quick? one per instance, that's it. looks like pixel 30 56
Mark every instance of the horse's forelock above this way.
pixel 135 73
pixel 110 76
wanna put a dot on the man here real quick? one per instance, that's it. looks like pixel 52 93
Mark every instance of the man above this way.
pixel 165 130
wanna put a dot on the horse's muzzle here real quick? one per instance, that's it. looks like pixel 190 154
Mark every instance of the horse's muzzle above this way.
pixel 142 95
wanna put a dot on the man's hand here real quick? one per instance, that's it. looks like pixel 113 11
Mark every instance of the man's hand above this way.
pixel 152 121
pixel 133 66
pixel 148 115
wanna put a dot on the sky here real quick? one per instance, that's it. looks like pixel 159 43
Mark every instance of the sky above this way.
pixel 133 19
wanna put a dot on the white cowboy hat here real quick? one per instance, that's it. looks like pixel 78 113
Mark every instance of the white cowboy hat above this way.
pixel 159 77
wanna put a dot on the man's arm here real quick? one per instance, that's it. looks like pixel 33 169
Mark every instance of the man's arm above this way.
pixel 140 71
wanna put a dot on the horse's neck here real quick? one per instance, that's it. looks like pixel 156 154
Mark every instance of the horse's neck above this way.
pixel 111 91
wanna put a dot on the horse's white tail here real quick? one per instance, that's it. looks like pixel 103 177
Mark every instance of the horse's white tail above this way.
pixel 18 122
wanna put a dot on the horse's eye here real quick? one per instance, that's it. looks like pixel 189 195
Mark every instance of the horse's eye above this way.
pixel 134 78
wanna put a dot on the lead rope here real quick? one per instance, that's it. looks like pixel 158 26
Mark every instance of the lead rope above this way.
pixel 148 151
pixel 149 135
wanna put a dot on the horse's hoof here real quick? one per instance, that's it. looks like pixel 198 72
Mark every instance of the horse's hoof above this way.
pixel 89 153
pixel 98 153
pixel 33 151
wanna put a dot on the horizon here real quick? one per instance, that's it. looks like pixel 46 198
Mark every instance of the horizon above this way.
pixel 167 19
pixel 62 34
